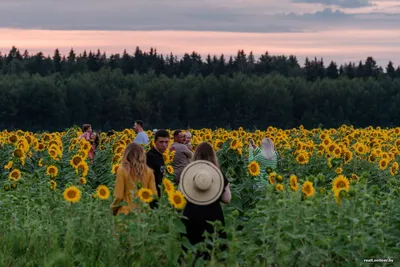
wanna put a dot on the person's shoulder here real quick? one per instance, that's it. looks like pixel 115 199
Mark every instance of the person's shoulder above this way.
pixel 121 171
pixel 151 152
pixel 149 173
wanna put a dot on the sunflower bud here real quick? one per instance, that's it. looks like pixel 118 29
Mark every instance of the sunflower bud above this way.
pixel 235 213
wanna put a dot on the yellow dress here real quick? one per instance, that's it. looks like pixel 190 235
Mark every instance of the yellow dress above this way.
pixel 123 189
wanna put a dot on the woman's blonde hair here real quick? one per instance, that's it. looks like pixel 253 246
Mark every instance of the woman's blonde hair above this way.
pixel 267 148
pixel 205 151
pixel 134 161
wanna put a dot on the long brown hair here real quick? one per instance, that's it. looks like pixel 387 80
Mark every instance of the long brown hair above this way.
pixel 205 151
pixel 134 161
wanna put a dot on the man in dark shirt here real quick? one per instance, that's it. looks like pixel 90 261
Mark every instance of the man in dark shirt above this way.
pixel 155 158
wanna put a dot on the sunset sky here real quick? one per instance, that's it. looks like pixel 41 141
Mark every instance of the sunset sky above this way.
pixel 339 30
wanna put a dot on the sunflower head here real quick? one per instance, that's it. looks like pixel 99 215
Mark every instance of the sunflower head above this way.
pixel 383 163
pixel 145 195
pixel 294 185
pixel 114 168
pixel 76 159
pixel 340 183
pixel 279 187
pixel 254 168
pixel 170 169
pixel 308 189
pixel 72 194
pixel 168 185
pixel 102 192
pixel 52 171
pixel 177 200
pixel 53 185
pixel 14 175
pixel 18 153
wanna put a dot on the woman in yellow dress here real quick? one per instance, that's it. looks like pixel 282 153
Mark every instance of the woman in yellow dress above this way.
pixel 132 171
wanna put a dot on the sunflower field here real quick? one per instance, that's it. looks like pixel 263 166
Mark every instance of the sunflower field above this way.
pixel 333 200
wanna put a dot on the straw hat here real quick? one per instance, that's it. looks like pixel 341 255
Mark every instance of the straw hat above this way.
pixel 202 183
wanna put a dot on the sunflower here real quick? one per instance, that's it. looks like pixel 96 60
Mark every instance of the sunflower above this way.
pixel 177 200
pixel 170 169
pixel 235 144
pixel 82 180
pixel 117 158
pixel 168 185
pixel 339 170
pixel 18 153
pixel 294 185
pixel 72 194
pixel 302 158
pixel 53 185
pixel 272 177
pixel 114 168
pixel 340 182
pixel 82 169
pixel 145 195
pixel 76 159
pixel 394 169
pixel 337 152
pixel 8 165
pixel 383 164
pixel 218 144
pixel 268 170
pixel 40 163
pixel 279 187
pixel 279 178
pixel 354 177
pixel 41 147
pixel 54 154
pixel 308 189
pixel 254 168
pixel 14 175
pixel 52 171
pixel 12 138
pixel 102 192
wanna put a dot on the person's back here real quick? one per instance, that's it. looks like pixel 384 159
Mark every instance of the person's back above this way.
pixel 181 159
pixel 267 158
pixel 142 138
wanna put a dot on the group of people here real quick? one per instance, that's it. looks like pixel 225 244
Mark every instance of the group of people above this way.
pixel 197 174
pixel 92 137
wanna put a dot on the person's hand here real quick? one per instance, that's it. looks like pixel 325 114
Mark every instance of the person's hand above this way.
pixel 190 147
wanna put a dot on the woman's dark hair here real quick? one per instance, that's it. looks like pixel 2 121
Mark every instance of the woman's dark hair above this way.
pixel 205 151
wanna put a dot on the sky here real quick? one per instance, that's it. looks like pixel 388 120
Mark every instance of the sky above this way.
pixel 338 30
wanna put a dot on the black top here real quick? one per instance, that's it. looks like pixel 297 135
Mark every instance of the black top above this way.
pixel 198 216
pixel 155 160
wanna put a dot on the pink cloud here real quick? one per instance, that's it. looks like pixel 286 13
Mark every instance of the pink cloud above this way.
pixel 340 46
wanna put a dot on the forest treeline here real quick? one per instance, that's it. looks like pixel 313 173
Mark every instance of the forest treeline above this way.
pixel 17 62
pixel 112 99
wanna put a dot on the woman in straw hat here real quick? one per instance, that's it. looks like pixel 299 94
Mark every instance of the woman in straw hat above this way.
pixel 132 170
pixel 203 186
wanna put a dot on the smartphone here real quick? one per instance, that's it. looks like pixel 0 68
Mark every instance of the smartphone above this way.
pixel 251 141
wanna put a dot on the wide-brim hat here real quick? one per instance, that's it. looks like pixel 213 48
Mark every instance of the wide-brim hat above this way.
pixel 201 183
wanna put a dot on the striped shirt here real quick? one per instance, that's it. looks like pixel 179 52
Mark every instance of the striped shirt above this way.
pixel 264 163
